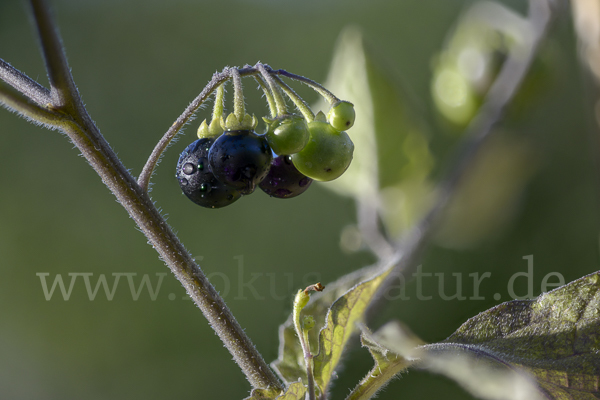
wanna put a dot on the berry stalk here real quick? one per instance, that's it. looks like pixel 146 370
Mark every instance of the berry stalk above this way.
pixel 298 101
pixel 269 96
pixel 327 95
pixel 275 89
pixel 239 108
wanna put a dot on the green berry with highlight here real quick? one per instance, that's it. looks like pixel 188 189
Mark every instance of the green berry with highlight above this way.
pixel 288 134
pixel 327 154
pixel 341 115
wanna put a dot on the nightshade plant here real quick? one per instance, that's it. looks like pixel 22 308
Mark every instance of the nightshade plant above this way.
pixel 516 350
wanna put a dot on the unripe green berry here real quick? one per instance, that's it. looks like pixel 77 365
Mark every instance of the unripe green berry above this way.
pixel 327 154
pixel 308 322
pixel 288 134
pixel 341 115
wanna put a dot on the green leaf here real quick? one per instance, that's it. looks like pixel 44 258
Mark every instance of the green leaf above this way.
pixel 483 376
pixel 295 391
pixel 480 373
pixel 263 394
pixel 555 337
pixel 545 348
pixel 341 321
pixel 391 140
pixel 290 363
pixel 387 365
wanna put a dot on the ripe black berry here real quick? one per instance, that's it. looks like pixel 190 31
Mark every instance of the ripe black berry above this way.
pixel 240 159
pixel 198 182
pixel 284 180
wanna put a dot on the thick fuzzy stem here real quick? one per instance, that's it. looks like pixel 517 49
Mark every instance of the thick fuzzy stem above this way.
pixel 67 113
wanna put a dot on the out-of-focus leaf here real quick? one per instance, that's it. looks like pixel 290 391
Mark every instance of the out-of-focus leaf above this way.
pixel 586 18
pixel 465 70
pixel 341 321
pixel 348 80
pixel 391 142
pixel 290 363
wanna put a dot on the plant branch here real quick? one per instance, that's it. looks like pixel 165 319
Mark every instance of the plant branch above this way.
pixel 75 122
pixel 500 95
pixel 24 84
pixel 63 92
pixel 142 210
pixel 22 104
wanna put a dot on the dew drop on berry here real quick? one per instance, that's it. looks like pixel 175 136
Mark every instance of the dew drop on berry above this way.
pixel 198 182
pixel 189 168
pixel 284 181
pixel 205 188
pixel 304 181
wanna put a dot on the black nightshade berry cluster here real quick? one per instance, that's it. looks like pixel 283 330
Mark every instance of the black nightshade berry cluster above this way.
pixel 230 159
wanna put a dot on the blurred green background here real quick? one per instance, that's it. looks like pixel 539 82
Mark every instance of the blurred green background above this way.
pixel 138 64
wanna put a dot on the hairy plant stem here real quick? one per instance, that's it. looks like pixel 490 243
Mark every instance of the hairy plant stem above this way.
pixel 268 95
pixel 327 95
pixel 275 90
pixel 141 209
pixel 65 111
pixel 239 108
pixel 303 339
pixel 25 85
pixel 298 101
pixel 16 101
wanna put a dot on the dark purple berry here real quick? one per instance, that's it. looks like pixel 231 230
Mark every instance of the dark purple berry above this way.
pixel 240 159
pixel 284 181
pixel 197 180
